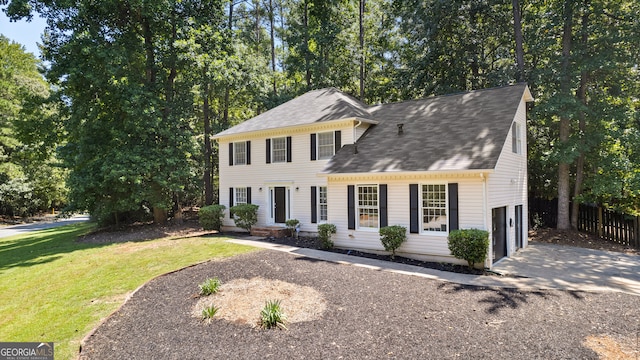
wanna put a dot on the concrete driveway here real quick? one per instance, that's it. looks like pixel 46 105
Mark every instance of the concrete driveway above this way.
pixel 20 229
pixel 573 268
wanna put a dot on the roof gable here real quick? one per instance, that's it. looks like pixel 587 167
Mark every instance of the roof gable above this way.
pixel 445 133
pixel 314 106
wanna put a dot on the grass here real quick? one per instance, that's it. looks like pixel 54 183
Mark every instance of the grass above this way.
pixel 54 289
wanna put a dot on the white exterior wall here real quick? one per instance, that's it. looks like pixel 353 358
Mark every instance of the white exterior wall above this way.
pixel 297 176
pixel 423 246
pixel 507 186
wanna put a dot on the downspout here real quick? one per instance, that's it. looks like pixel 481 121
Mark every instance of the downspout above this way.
pixel 354 130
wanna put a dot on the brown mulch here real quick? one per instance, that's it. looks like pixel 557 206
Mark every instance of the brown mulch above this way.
pixel 578 239
pixel 369 315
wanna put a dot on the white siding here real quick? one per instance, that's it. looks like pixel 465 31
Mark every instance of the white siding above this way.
pixel 507 186
pixel 432 247
pixel 297 176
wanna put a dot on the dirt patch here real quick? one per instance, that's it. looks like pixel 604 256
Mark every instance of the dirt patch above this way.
pixel 241 300
pixel 609 348
pixel 144 232
pixel 578 239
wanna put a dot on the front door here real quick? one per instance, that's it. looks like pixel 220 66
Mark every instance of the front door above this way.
pixel 499 227
pixel 280 204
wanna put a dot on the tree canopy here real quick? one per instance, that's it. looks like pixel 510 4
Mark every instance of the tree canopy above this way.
pixel 138 87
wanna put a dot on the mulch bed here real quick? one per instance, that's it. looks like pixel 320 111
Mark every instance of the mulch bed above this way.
pixel 370 315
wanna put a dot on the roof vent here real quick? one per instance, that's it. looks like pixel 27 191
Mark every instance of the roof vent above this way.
pixel 400 128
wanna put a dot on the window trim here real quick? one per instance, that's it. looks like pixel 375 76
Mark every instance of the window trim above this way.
pixel 421 209
pixel 235 195
pixel 358 207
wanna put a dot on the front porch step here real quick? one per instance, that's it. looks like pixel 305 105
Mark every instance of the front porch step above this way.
pixel 269 231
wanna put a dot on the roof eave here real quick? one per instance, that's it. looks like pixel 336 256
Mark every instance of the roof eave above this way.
pixel 439 173
pixel 292 128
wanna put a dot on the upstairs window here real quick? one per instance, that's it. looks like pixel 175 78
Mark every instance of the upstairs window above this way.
pixel 279 150
pixel 240 153
pixel 516 138
pixel 325 145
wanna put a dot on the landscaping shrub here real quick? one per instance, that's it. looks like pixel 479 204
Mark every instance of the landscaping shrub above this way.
pixel 272 315
pixel 210 286
pixel 324 235
pixel 245 215
pixel 291 226
pixel 392 237
pixel 469 244
pixel 210 217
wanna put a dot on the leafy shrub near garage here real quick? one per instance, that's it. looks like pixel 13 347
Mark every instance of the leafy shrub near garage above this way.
pixel 392 237
pixel 210 217
pixel 324 235
pixel 245 215
pixel 471 245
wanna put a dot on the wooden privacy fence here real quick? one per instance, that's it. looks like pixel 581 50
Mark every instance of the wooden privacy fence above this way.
pixel 610 225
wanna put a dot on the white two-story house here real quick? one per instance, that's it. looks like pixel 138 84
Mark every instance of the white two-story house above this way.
pixel 431 165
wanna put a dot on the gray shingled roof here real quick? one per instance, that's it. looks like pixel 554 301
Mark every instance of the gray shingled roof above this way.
pixel 453 132
pixel 313 106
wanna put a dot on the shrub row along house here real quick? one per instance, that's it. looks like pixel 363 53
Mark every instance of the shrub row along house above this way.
pixel 432 165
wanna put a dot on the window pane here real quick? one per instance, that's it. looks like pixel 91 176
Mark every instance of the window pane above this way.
pixel 325 145
pixel 434 207
pixel 240 153
pixel 279 150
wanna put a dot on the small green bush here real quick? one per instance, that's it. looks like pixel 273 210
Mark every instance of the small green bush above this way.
pixel 324 235
pixel 209 312
pixel 392 237
pixel 245 215
pixel 469 244
pixel 210 217
pixel 291 226
pixel 210 286
pixel 272 315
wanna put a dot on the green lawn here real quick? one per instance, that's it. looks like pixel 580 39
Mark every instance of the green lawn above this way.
pixel 54 289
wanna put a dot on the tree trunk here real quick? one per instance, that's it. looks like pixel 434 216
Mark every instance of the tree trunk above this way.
pixel 208 187
pixel 564 177
pixel 307 66
pixel 517 27
pixel 159 215
pixel 362 59
pixel 273 48
pixel 582 121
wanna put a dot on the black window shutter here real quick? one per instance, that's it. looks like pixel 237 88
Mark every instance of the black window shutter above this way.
pixel 414 214
pixel 288 148
pixel 231 193
pixel 338 140
pixel 351 207
pixel 268 151
pixel 313 147
pixel 249 195
pixel 314 205
pixel 453 207
pixel 248 152
pixel 230 154
pixel 383 205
